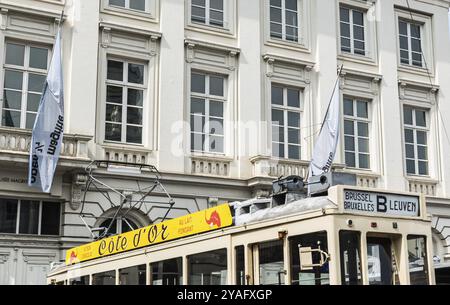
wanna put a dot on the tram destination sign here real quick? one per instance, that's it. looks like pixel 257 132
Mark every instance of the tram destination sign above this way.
pixel 381 203
pixel 195 223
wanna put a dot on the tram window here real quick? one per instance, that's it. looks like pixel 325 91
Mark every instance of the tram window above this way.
pixel 379 260
pixel 349 242
pixel 168 272
pixel 271 263
pixel 133 276
pixel 104 278
pixel 240 266
pixel 317 275
pixel 209 268
pixel 417 258
pixel 80 281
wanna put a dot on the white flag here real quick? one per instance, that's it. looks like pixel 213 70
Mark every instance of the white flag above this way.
pixel 48 128
pixel 325 148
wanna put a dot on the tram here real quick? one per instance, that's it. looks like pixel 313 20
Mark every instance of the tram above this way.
pixel 349 236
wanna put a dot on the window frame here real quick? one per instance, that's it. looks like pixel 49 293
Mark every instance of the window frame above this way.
pixel 208 10
pixel 356 119
pixel 283 23
pixel 285 108
pixel 208 98
pixel 352 24
pixel 409 24
pixel 127 8
pixel 415 129
pixel 26 70
pixel 126 85
pixel 40 216
pixel 229 20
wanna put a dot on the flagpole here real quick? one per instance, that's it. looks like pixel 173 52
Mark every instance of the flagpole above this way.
pixel 326 114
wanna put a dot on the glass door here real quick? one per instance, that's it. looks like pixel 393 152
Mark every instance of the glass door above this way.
pixel 379 259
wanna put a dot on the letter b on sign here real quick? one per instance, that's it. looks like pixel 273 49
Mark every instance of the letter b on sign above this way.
pixel 381 204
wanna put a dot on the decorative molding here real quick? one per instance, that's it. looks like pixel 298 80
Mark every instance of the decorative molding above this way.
pixel 221 55
pixel 276 61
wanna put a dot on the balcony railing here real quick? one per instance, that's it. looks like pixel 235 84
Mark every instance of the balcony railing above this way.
pixel 210 166
pixel 17 142
pixel 426 187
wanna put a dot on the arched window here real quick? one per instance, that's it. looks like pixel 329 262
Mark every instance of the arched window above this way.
pixel 126 220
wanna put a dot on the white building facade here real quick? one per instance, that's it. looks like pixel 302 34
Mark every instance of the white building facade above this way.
pixel 222 97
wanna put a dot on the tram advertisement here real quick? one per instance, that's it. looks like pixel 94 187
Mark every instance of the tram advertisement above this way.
pixel 195 223
pixel 380 203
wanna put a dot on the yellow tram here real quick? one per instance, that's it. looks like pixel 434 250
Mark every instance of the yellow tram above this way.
pixel 350 236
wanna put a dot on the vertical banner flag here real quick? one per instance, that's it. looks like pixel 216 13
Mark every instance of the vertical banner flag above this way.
pixel 325 148
pixel 47 133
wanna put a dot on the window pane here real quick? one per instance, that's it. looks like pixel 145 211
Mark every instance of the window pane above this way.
pixel 134 116
pixel 275 3
pixel 349 143
pixel 278 150
pixel 30 120
pixel 197 141
pixel 115 70
pixel 113 113
pixel 216 4
pixel 51 215
pixel 415 45
pixel 363 129
pixel 209 268
pixel 198 83
pixel 198 14
pixel 135 73
pixel 275 15
pixel 403 28
pixel 417 258
pixel 216 126
pixel 363 145
pixel 80 281
pixel 422 152
pixel 409 136
pixel 277 117
pixel 135 97
pixel 410 167
pixel 291 18
pixel 291 33
pixel 421 137
pixel 271 263
pixel 198 106
pixel 350 159
pixel 120 3
pixel 410 151
pixel 294 136
pixel 36 82
pixel 421 118
pixel 134 134
pixel 364 161
pixel 423 168
pixel 105 278
pixel 114 94
pixel 404 43
pixel 138 5
pixel 29 217
pixel 33 102
pixel 345 30
pixel 277 134
pixel 113 132
pixel 216 109
pixel 358 17
pixel 358 33
pixel 8 215
pixel 199 2
pixel 169 272
pixel 240 266
pixel 216 144
pixel 38 58
pixel 216 18
pixel 293 98
pixel 291 5
pixel 407 113
pixel 348 107
pixel 276 30
pixel 13 80
pixel 198 123
pixel 216 85
pixel 294 119
pixel 11 118
pixel 349 127
pixel 294 152
pixel 415 31
pixel 15 54
pixel 345 14
pixel 362 109
pixel 12 99
pixel 135 275
pixel 277 95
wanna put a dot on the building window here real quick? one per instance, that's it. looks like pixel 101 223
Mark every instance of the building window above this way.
pixel 138 5
pixel 352 31
pixel 125 91
pixel 209 12
pixel 284 20
pixel 286 113
pixel 29 217
pixel 410 43
pixel 356 133
pixel 207 112
pixel 25 70
pixel 416 140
